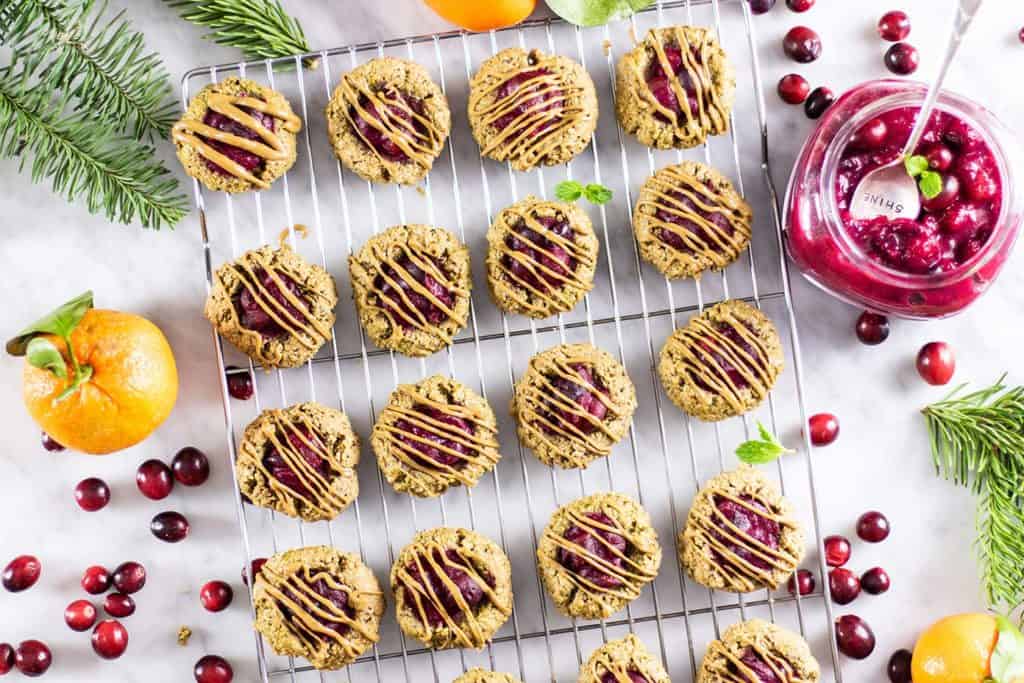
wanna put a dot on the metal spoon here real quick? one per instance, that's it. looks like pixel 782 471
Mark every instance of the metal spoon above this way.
pixel 889 190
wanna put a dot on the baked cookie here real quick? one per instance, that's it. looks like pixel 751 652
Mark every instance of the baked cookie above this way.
pixel 236 136
pixel 621 661
pixel 740 534
pixel 541 257
pixel 675 88
pixel 411 284
pixel 530 109
pixel 596 555
pixel 573 403
pixel 273 305
pixel 387 121
pixel 318 603
pixel 478 675
pixel 757 650
pixel 452 587
pixel 689 218
pixel 435 434
pixel 723 362
pixel 300 461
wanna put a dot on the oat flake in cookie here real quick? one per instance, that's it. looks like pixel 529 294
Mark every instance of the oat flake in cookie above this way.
pixel 596 555
pixel 452 587
pixel 388 121
pixel 435 434
pixel 740 535
pixel 318 603
pixel 573 403
pixel 760 651
pixel 478 675
pixel 723 362
pixel 675 88
pixel 273 305
pixel 237 135
pixel 623 661
pixel 300 461
pixel 689 219
pixel 531 109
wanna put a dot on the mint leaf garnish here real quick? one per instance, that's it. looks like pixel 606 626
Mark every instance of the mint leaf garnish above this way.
pixel 1008 656
pixel 930 184
pixel 916 165
pixel 597 194
pixel 763 450
pixel 568 190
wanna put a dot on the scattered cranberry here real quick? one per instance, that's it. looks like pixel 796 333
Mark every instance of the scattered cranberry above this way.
pixel 837 551
pixel 32 658
pixel 257 565
pixel 761 6
pixel 824 428
pixel 109 639
pixel 239 383
pixel 129 578
pixel 6 658
pixel 894 26
pixel 802 580
pixel 793 89
pixel 799 5
pixel 191 466
pixel 169 526
pixel 154 479
pixel 119 605
pixel 872 328
pixel 843 585
pixel 213 669
pixel 902 59
pixel 215 595
pixel 875 581
pixel 80 615
pixel 21 573
pixel 1020 35
pixel 899 666
pixel 92 494
pixel 936 363
pixel 873 527
pixel 96 580
pixel 802 44
pixel 854 636
pixel 820 99
pixel 50 444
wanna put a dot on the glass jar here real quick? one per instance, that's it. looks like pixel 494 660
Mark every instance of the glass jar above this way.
pixel 927 266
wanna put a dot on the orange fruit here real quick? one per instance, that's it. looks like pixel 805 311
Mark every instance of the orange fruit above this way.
pixel 483 15
pixel 133 386
pixel 956 649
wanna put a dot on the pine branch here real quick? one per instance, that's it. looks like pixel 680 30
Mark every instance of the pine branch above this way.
pixel 1000 543
pixel 260 28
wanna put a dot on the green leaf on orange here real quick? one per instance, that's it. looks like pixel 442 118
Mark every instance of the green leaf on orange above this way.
pixel 1007 663
pixel 596 12
pixel 43 354
pixel 59 322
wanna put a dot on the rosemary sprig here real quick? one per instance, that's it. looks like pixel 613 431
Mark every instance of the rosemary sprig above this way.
pixel 261 29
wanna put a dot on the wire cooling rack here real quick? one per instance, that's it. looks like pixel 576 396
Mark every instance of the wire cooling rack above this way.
pixel 630 312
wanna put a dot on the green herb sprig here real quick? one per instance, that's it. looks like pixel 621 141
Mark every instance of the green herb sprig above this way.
pixel 762 450
pixel 261 29
pixel 928 181
pixel 570 191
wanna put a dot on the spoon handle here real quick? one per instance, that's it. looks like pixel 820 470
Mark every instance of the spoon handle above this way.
pixel 966 10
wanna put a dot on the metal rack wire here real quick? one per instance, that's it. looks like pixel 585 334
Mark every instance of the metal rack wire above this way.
pixel 621 308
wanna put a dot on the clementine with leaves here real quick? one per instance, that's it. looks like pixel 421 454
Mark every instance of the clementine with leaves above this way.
pixel 969 648
pixel 483 15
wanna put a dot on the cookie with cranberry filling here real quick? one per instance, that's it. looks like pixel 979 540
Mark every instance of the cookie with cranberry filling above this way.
pixel 740 535
pixel 541 257
pixel 573 404
pixel 596 555
pixel 478 675
pixel 273 305
pixel 452 587
pixel 300 461
pixel 237 135
pixel 531 109
pixel 387 121
pixel 723 362
pixel 411 285
pixel 689 219
pixel 435 434
pixel 319 604
pixel 622 660
pixel 760 652
pixel 675 88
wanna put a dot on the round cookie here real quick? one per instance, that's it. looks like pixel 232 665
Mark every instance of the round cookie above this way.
pixel 530 109
pixel 273 305
pixel 757 650
pixel 625 659
pixel 452 587
pixel 478 675
pixel 596 555
pixel 387 121
pixel 740 534
pixel 300 461
pixel 573 403
pixel 723 362
pixel 435 434
pixel 675 88
pixel 689 219
pixel 237 135
pixel 411 285
pixel 541 257
pixel 318 603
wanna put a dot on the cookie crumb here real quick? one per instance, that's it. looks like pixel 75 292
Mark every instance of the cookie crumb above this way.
pixel 184 633
pixel 606 45
pixel 421 190
pixel 299 229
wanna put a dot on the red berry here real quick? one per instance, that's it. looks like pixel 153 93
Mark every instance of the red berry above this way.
pixel 215 595
pixel 92 494
pixel 154 479
pixel 50 444
pixel 119 605
pixel 799 5
pixel 109 639
pixel 257 565
pixel 837 551
pixel 803 579
pixel 191 466
pixel 129 578
pixel 820 99
pixel 239 383
pixel 793 89
pixel 843 585
pixel 80 615
pixel 824 428
pixel 96 580
pixel 213 669
pixel 894 26
pixel 875 581
pixel 873 527
pixel 854 637
pixel 1020 35
pixel 936 363
pixel 872 328
pixel 170 526
pixel 21 573
pixel 899 666
pixel 802 44
pixel 6 658
pixel 939 157
pixel 902 59
pixel 32 658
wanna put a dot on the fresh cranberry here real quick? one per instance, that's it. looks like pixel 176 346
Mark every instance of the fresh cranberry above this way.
pixel 894 26
pixel 936 363
pixel 50 444
pixel 802 580
pixel 96 580
pixel 119 605
pixel 215 595
pixel 873 527
pixel 92 494
pixel 32 658
pixel 854 636
pixel 240 383
pixel 129 577
pixel 422 306
pixel 191 466
pixel 246 159
pixel 872 328
pixel 799 5
pixel 761 6
pixel 6 658
pixel 946 196
pixel 843 585
pixel 793 89
pixel 939 157
pixel 823 428
pixel 902 59
pixel 451 564
pixel 536 98
pixel 820 99
pixel 170 526
pixel 435 443
pixel 252 315
pixel 80 615
pixel 255 567
pixel 802 44
pixel 762 530
pixel 899 666
pixel 875 581
pixel 590 539
pixel 1020 35
pixel 582 395
pixel 154 479
pixel 307 445
pixel 398 117
pixel 837 551
pixel 109 639
pixel 213 669
pixel 21 573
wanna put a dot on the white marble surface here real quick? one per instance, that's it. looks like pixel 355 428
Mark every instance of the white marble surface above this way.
pixel 52 251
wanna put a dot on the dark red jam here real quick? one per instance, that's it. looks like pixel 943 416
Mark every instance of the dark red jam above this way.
pixel 660 83
pixel 762 671
pixel 537 98
pixel 336 596
pixel 472 592
pixel 253 317
pixel 587 538
pixel 399 119
pixel 764 531
pixel 249 161
pixel 541 250
pixel 634 677
pixel 724 353
pixel 279 468
pixel 581 395
pixel 681 203
pixel 433 452
pixel 422 305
